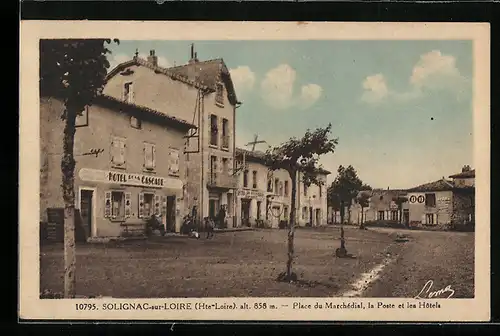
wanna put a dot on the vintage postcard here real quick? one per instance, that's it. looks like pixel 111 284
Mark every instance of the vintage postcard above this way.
pixel 254 171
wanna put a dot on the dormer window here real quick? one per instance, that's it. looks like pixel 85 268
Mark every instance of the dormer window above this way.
pixel 128 92
pixel 219 94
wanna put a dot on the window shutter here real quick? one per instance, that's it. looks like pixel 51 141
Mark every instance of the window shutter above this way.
pixel 122 151
pixel 157 205
pixel 164 206
pixel 128 204
pixel 153 156
pixel 435 219
pixel 107 204
pixel 113 151
pixel 424 219
pixel 141 205
pixel 132 93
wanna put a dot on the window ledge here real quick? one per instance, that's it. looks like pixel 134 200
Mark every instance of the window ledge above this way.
pixel 118 167
pixel 213 146
pixel 174 174
pixel 226 149
pixel 149 170
pixel 219 104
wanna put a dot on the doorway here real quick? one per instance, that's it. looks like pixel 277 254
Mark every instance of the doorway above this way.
pixel 213 208
pixel 245 212
pixel 311 217
pixel 406 217
pixel 170 214
pixel 86 211
pixel 318 216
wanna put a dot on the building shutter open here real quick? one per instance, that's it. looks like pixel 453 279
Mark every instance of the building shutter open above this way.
pixel 141 205
pixel 164 206
pixel 107 204
pixel 122 148
pixel 128 204
pixel 153 154
pixel 157 205
pixel 424 219
pixel 435 219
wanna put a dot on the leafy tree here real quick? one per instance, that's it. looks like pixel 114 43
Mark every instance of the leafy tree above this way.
pixel 346 187
pixel 299 157
pixel 74 71
pixel 363 199
pixel 333 201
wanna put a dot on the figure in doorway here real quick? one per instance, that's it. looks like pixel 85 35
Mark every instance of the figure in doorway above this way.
pixel 221 217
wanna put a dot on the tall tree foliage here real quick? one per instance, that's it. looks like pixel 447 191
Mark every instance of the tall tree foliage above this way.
pixel 300 157
pixel 363 199
pixel 345 187
pixel 400 200
pixel 73 70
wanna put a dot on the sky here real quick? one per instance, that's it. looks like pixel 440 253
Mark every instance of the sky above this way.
pixel 401 110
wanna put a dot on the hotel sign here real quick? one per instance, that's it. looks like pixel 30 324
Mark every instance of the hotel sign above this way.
pixel 139 180
pixel 250 194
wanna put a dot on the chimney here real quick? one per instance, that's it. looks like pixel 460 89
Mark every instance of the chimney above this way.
pixel 152 58
pixel 194 55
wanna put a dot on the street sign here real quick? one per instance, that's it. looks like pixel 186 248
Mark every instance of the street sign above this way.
pixel 416 199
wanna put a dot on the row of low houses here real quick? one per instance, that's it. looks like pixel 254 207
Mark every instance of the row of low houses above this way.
pixel 435 204
pixel 162 141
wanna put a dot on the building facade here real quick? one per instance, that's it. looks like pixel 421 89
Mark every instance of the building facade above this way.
pixel 382 206
pixel 199 92
pixel 443 202
pixel 128 165
pixel 264 197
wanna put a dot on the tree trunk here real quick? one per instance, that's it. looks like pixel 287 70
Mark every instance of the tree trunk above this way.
pixel 362 226
pixel 291 226
pixel 342 215
pixel 68 191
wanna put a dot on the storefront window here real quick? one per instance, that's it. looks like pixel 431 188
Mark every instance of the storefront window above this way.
pixel 117 204
pixel 148 204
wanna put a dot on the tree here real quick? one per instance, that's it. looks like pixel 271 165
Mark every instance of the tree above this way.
pixel 363 199
pixel 333 201
pixel 73 70
pixel 400 200
pixel 346 187
pixel 299 157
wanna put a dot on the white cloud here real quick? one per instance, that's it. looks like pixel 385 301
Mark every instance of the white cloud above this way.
pixel 243 78
pixel 436 71
pixel 433 71
pixel 115 59
pixel 375 88
pixel 278 89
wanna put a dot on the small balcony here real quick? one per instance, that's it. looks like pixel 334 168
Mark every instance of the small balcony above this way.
pixel 221 180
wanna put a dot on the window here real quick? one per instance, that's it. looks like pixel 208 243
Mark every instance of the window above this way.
pixel 135 122
pixel 304 212
pixel 245 179
pixel 214 130
pixel 270 182
pixel 128 92
pixel 429 219
pixel 117 205
pixel 394 215
pixel 118 151
pixel 381 215
pixel 305 190
pixel 285 212
pixel 225 133
pixel 259 204
pixel 320 190
pixel 276 185
pixel 430 200
pixel 213 168
pixel 286 188
pixel 225 166
pixel 82 119
pixel 149 156
pixel 281 188
pixel 254 179
pixel 219 94
pixel 173 168
pixel 149 204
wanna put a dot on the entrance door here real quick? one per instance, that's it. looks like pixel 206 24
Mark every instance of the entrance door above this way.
pixel 311 217
pixel 245 212
pixel 170 213
pixel 213 208
pixel 86 210
pixel 318 216
pixel 406 217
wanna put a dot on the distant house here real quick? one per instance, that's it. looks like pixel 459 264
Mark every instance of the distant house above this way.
pixel 382 207
pixel 444 201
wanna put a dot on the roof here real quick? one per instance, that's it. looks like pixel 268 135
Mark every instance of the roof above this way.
pixel 259 156
pixel 108 101
pixel 464 174
pixel 439 185
pixel 208 73
pixel 137 61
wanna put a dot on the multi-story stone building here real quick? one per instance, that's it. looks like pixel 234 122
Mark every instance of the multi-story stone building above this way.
pixel 382 206
pixel 265 196
pixel 199 92
pixel 128 160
